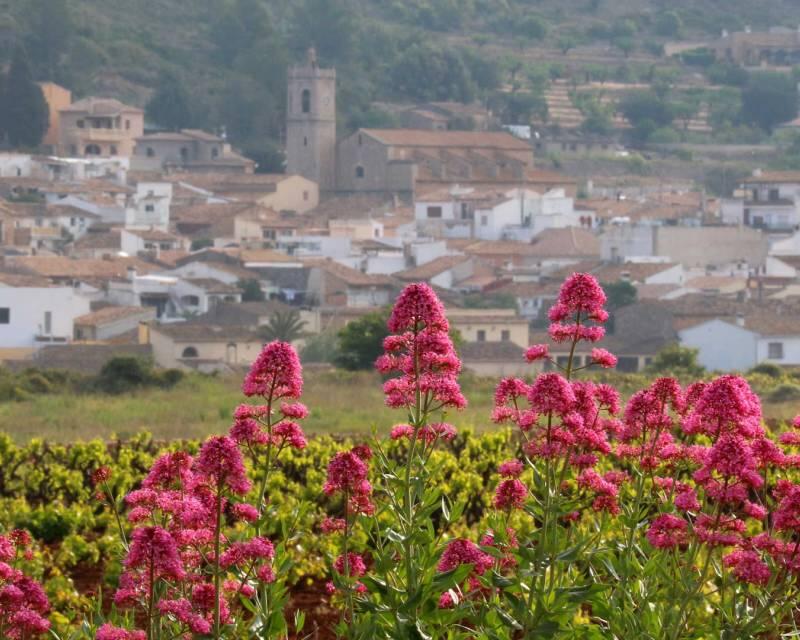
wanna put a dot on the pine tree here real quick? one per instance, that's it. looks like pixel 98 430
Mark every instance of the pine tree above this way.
pixel 24 114
pixel 170 105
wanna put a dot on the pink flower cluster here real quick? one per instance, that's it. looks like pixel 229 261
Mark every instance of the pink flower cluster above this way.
pixel 184 502
pixel 719 485
pixel 420 353
pixel 581 299
pixel 459 552
pixel 560 419
pixel 173 544
pixel 274 376
pixel 23 603
pixel 347 475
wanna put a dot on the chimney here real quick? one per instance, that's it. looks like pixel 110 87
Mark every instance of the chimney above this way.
pixel 144 333
pixel 131 273
pixel 740 319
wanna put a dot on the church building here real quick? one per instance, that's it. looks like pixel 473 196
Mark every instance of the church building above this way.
pixel 402 162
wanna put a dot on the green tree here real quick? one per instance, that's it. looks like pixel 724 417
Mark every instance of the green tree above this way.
pixel 678 361
pixel 361 341
pixel 170 105
pixel 769 99
pixel 668 24
pixel 24 113
pixel 424 72
pixel 286 326
pixel 251 290
pixel 329 27
pixel 51 30
pixel 647 112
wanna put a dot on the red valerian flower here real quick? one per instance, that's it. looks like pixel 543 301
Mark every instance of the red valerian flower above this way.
pixel 667 532
pixel 537 352
pixel 510 494
pixel 748 566
pixel 276 373
pixel 220 460
pixel 604 358
pixel 417 307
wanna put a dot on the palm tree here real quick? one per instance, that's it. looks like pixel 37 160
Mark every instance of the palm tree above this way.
pixel 286 326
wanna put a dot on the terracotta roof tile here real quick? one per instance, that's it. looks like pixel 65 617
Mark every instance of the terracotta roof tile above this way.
pixel 468 139
pixel 112 314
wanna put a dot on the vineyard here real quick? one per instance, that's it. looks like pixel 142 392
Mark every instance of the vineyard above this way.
pixel 576 511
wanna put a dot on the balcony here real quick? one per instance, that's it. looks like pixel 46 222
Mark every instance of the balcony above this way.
pixel 98 135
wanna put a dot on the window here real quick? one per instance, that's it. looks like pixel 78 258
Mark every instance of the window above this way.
pixel 359 172
pixel 72 222
pixel 80 124
pixel 306 101
pixel 113 150
pixel 48 322
pixel 562 361
pixel 628 364
pixel 184 154
pixel 775 351
pixel 149 208
pixel 484 221
pixel 5 315
pixel 505 335
pixel 151 153
pixel 268 234
pixel 127 125
pixel 305 141
pixel 305 196
pixel 189 352
pixel 92 150
pixel 434 212
pixel 190 300
pixel 481 335
pixel 774 194
pixel 215 152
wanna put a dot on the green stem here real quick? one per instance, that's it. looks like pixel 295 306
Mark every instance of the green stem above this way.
pixel 217 575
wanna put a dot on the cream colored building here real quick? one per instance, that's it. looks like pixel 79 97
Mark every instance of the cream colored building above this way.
pixel 490 325
pixel 57 98
pixel 201 346
pixel 99 127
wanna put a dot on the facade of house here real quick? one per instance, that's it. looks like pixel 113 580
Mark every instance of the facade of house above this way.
pixel 333 284
pixel 149 207
pixel 136 241
pixel 35 316
pixel 494 359
pixel 110 322
pixel 767 200
pixel 490 325
pixel 746 341
pixel 188 150
pixel 99 127
pixel 203 347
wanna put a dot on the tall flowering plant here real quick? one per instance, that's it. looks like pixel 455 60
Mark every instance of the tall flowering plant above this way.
pixel 23 604
pixel 422 368
pixel 559 478
pixel 197 562
pixel 713 507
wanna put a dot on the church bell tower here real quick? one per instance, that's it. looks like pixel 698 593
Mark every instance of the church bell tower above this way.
pixel 311 123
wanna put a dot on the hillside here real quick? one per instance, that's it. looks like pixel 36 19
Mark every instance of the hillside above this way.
pixel 231 55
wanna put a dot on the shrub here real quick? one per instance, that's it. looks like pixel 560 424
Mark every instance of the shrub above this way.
pixel 768 369
pixel 785 393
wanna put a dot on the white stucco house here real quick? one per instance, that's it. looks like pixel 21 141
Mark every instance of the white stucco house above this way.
pixel 33 316
pixel 739 345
